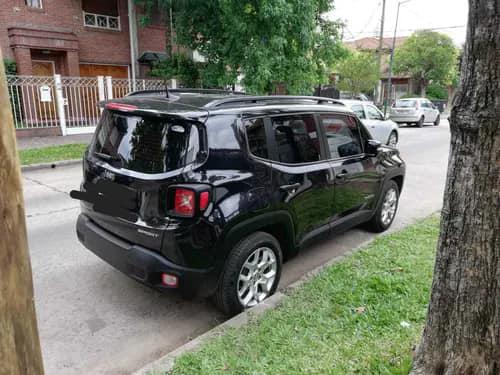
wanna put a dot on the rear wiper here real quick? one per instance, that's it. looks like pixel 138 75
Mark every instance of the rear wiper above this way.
pixel 107 157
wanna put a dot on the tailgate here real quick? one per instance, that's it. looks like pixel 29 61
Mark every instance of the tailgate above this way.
pixel 129 166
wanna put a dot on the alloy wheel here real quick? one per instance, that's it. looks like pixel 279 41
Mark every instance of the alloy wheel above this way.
pixel 389 206
pixel 256 277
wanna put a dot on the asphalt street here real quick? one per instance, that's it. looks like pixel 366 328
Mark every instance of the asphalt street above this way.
pixel 94 320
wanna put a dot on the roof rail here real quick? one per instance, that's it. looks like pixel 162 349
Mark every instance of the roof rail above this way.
pixel 245 100
pixel 186 91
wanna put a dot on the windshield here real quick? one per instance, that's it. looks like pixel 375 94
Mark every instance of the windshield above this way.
pixel 145 144
pixel 406 103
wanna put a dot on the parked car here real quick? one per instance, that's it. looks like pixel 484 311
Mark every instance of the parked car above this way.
pixel 210 193
pixel 382 129
pixel 416 111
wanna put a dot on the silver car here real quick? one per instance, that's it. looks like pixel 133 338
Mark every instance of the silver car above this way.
pixel 382 129
pixel 416 111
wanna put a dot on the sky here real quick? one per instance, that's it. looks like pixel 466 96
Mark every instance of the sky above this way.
pixel 362 17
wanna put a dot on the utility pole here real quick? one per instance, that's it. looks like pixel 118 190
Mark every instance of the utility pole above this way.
pixel 378 96
pixel 20 352
pixel 134 49
pixel 389 78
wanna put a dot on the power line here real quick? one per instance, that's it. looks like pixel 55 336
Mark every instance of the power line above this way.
pixel 422 28
pixel 370 19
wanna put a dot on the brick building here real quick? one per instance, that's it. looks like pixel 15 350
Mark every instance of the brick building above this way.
pixel 79 37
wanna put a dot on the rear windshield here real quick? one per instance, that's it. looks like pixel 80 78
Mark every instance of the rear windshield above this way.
pixel 145 144
pixel 406 103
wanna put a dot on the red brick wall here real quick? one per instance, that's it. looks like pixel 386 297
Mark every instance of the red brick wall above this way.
pixel 95 45
pixel 152 38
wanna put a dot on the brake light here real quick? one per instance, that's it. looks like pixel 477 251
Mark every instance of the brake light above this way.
pixel 121 107
pixel 204 200
pixel 184 202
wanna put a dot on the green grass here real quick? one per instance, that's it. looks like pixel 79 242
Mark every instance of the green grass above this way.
pixel 52 153
pixel 347 320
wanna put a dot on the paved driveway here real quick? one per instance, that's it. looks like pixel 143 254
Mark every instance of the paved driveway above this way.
pixel 94 320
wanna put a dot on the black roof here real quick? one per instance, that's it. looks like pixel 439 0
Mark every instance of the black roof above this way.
pixel 199 102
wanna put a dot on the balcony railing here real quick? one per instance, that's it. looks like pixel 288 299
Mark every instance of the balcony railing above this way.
pixel 101 21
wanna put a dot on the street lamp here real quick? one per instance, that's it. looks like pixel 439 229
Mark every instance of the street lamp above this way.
pixel 389 78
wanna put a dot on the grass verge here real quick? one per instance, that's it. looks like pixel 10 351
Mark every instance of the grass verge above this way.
pixel 362 315
pixel 52 153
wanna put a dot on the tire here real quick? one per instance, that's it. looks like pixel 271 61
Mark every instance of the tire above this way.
pixel 420 122
pixel 226 297
pixel 438 120
pixel 377 223
pixel 393 139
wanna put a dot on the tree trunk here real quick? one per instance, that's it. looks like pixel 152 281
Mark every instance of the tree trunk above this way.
pixel 462 332
pixel 19 343
pixel 423 87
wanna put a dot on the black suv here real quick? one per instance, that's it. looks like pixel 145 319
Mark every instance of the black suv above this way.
pixel 209 192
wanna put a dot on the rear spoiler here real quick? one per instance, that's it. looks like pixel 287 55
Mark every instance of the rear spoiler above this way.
pixel 186 113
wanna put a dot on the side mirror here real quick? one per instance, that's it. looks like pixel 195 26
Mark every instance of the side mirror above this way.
pixel 372 146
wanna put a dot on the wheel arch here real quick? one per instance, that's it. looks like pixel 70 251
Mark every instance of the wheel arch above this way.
pixel 278 224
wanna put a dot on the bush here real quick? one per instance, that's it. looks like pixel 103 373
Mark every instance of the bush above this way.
pixel 435 91
pixel 10 66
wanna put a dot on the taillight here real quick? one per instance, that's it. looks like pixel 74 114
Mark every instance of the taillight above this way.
pixel 188 200
pixel 204 200
pixel 184 202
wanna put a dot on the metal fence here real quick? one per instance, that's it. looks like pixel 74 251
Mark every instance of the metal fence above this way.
pixel 70 103
pixel 32 103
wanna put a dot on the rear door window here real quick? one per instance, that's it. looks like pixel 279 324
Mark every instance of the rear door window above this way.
pixel 342 135
pixel 145 144
pixel 296 139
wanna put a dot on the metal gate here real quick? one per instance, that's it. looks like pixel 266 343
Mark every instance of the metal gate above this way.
pixel 70 103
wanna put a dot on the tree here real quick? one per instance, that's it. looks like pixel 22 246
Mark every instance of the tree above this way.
pixel 462 332
pixel 427 56
pixel 178 66
pixel 19 343
pixel 358 73
pixel 267 42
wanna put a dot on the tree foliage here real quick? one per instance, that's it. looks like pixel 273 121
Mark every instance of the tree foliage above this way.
pixel 267 42
pixel 428 56
pixel 436 91
pixel 358 73
pixel 10 66
pixel 178 66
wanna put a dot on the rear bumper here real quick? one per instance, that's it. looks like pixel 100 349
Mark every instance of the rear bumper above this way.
pixel 404 119
pixel 142 264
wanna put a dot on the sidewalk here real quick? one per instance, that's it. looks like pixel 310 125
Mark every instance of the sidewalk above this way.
pixel 37 142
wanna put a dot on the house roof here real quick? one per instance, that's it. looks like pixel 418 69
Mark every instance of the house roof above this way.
pixel 371 43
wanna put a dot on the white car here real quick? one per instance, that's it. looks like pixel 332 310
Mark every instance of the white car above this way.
pixel 382 129
pixel 414 111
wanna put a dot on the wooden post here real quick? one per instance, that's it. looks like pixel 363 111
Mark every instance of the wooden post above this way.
pixel 20 352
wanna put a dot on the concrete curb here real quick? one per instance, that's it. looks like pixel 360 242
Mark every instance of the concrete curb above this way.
pixel 52 165
pixel 166 363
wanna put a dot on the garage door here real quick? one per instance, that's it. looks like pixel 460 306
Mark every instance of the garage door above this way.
pixel 94 70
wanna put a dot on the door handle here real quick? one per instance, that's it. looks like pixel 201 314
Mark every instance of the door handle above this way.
pixel 341 175
pixel 291 187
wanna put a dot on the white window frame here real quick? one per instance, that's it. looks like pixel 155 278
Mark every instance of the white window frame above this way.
pixel 96 26
pixel 34 7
